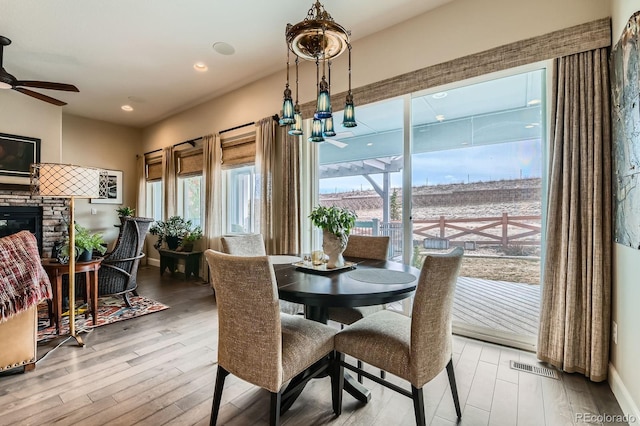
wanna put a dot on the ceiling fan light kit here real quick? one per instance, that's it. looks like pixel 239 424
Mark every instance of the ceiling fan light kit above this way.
pixel 8 81
pixel 317 38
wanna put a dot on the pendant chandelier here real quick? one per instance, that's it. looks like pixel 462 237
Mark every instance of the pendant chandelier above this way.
pixel 317 38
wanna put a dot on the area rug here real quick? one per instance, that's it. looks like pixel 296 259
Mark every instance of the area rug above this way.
pixel 110 309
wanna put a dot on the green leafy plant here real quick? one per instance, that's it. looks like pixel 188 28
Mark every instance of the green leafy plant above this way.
pixel 177 227
pixel 193 235
pixel 85 240
pixel 336 220
pixel 125 211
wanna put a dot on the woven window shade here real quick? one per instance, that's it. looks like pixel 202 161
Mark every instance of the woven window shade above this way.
pixel 190 164
pixel 239 150
pixel 154 170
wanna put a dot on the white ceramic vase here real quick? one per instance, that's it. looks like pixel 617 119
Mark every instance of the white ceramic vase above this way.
pixel 333 246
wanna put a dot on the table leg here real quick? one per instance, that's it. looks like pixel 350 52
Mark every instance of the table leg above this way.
pixel 94 296
pixel 58 295
pixel 351 385
pixel 87 293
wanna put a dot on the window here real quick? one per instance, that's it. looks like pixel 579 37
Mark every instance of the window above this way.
pixel 190 199
pixel 241 202
pixel 154 200
pixel 154 189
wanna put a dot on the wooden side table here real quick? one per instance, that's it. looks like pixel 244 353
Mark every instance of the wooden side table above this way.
pixel 55 270
pixel 169 260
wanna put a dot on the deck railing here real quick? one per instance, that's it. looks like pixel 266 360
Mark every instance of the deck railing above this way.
pixel 501 231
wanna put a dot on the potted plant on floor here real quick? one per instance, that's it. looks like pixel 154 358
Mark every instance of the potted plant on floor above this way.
pixel 336 224
pixel 190 238
pixel 171 231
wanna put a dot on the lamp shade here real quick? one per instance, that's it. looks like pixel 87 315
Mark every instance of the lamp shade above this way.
pixel 328 127
pixel 349 113
pixel 296 128
pixel 316 131
pixel 66 180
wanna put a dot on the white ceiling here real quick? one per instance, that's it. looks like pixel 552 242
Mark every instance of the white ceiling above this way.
pixel 142 52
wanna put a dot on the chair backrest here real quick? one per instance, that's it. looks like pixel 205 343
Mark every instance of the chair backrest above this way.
pixel 431 317
pixel 249 330
pixel 120 266
pixel 243 245
pixel 367 247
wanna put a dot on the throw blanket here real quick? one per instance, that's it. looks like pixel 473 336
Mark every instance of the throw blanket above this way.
pixel 23 281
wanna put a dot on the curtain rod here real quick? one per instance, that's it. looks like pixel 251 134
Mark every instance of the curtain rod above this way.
pixel 237 127
pixel 191 142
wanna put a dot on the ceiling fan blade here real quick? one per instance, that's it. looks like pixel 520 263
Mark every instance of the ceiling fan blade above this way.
pixel 40 96
pixel 47 85
pixel 336 143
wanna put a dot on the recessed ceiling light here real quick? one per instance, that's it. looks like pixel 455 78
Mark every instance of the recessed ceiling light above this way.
pixel 127 108
pixel 370 144
pixel 224 48
pixel 440 117
pixel 529 126
pixel 534 102
pixel 199 66
pixel 439 95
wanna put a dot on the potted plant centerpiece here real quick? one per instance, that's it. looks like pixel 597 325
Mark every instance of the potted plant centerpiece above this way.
pixel 336 224
pixel 172 231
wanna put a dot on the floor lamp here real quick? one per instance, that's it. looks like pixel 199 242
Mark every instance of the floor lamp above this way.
pixel 69 181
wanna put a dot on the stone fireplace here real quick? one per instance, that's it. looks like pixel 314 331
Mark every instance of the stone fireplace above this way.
pixel 42 216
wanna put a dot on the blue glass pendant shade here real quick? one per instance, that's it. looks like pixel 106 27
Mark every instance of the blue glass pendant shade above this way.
pixel 296 128
pixel 287 108
pixel 316 131
pixel 328 127
pixel 323 108
pixel 349 113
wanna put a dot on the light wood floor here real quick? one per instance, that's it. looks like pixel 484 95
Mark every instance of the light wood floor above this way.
pixel 160 369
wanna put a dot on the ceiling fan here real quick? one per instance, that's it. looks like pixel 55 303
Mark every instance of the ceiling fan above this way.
pixel 338 143
pixel 7 81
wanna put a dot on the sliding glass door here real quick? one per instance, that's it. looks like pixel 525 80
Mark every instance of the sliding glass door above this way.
pixel 456 166
pixel 477 183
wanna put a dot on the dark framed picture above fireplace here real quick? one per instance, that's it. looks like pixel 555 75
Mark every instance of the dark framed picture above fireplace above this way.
pixel 16 155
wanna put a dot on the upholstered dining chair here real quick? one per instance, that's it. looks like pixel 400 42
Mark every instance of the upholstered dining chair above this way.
pixel 256 342
pixel 415 349
pixel 362 247
pixel 253 245
pixel 243 245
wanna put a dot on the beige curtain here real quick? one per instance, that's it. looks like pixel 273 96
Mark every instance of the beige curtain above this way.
pixel 576 295
pixel 212 176
pixel 288 228
pixel 265 169
pixel 141 177
pixel 169 180
pixel 278 187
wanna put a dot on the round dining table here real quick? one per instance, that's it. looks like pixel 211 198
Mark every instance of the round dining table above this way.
pixel 365 282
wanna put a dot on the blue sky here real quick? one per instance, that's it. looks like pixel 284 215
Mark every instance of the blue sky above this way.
pixel 477 163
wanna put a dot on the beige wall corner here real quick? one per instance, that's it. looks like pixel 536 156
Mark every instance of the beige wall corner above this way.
pixel 94 143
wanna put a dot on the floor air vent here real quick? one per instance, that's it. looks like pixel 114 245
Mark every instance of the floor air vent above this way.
pixel 534 369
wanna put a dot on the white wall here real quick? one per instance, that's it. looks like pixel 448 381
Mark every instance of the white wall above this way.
pixel 625 377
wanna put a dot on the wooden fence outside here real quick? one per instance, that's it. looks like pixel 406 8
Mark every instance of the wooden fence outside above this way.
pixel 502 231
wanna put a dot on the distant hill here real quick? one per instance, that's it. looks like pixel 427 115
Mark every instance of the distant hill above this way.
pixel 510 192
